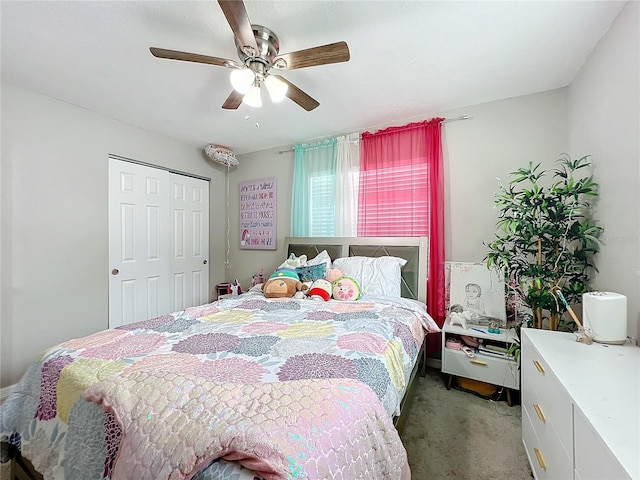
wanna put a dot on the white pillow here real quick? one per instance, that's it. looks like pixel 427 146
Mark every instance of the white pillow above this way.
pixel 322 257
pixel 376 276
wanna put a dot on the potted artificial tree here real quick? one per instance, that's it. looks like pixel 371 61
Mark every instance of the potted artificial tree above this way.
pixel 546 239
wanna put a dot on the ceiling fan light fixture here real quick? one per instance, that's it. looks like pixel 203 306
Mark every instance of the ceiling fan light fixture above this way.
pixel 258 50
pixel 252 97
pixel 277 88
pixel 242 79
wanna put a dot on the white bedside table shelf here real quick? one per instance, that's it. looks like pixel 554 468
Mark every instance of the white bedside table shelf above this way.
pixel 501 371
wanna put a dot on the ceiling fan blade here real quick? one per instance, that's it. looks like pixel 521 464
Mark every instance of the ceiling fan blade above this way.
pixel 190 57
pixel 233 101
pixel 325 54
pixel 298 96
pixel 239 22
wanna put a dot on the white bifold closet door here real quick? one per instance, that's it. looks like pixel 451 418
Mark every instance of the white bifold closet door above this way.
pixel 158 242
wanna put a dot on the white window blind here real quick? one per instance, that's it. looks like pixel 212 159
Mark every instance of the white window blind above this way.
pixel 322 193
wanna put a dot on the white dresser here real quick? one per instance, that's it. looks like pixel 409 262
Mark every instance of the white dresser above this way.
pixel 580 407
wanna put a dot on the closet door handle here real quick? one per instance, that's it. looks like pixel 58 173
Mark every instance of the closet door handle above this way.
pixel 540 459
pixel 539 366
pixel 539 411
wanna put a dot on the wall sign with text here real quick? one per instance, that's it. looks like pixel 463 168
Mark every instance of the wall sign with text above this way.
pixel 258 214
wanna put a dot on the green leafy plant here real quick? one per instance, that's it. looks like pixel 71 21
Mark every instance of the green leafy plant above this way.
pixel 514 350
pixel 546 238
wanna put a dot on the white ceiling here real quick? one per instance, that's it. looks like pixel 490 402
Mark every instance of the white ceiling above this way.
pixel 409 60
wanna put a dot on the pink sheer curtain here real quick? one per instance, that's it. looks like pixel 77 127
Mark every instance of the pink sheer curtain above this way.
pixel 402 194
pixel 394 193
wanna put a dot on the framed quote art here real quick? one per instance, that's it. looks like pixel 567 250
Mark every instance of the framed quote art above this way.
pixel 258 220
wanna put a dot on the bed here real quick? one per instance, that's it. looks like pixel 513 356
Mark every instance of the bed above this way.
pixel 245 387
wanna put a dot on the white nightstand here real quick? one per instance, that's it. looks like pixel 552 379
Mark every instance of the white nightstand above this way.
pixel 488 368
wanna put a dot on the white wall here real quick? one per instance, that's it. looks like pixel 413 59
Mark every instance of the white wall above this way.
pixel 604 119
pixel 500 137
pixel 54 250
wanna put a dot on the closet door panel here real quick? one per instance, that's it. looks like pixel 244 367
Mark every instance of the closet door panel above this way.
pixel 138 259
pixel 190 259
pixel 158 242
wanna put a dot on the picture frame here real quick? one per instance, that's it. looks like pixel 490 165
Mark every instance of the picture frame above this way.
pixel 474 288
pixel 258 214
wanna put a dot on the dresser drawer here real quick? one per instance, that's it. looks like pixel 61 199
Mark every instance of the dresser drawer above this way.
pixel 496 371
pixel 547 457
pixel 545 398
pixel 594 460
pixel 545 430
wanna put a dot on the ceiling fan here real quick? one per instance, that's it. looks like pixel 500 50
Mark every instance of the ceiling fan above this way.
pixel 258 51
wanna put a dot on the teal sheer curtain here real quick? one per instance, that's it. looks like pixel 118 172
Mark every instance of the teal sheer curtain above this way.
pixel 313 193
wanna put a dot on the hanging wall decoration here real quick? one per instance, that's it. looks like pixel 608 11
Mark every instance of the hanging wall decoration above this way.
pixel 258 220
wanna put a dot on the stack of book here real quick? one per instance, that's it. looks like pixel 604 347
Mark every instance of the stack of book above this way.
pixel 493 350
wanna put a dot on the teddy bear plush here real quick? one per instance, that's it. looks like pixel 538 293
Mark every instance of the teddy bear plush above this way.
pixel 284 282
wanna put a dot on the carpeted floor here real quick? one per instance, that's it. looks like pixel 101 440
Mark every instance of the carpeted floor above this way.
pixel 458 435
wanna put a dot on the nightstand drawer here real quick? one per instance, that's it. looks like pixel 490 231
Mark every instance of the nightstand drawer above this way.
pixel 548 459
pixel 497 371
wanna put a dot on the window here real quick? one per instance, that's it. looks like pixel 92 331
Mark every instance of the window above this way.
pixel 321 205
pixel 394 201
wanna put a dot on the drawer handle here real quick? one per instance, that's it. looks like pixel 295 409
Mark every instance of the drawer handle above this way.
pixel 538 366
pixel 478 362
pixel 539 411
pixel 540 458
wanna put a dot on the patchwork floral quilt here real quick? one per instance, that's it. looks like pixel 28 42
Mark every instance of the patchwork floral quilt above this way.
pixel 247 340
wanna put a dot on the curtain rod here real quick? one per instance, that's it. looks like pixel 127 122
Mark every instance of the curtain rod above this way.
pixel 455 119
pixel 446 120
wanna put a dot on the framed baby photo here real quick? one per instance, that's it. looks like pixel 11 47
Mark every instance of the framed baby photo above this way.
pixel 478 290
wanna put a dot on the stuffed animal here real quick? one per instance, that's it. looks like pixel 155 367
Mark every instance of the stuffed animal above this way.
pixel 320 290
pixel 293 261
pixel 333 274
pixel 346 288
pixel 284 282
pixel 459 315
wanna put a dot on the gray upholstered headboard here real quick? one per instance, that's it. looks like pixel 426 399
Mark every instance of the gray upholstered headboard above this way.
pixel 413 249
